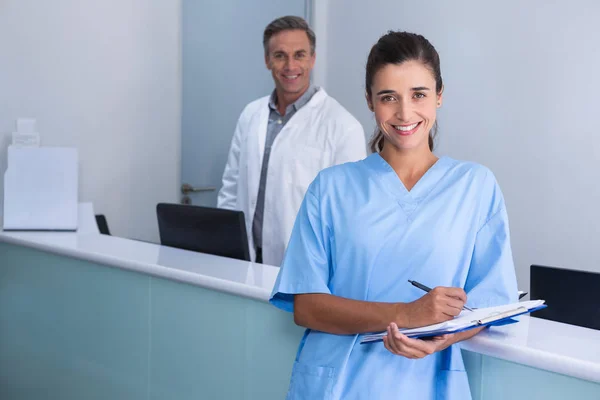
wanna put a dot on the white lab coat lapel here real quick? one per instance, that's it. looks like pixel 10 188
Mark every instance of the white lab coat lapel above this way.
pixel 261 132
pixel 256 151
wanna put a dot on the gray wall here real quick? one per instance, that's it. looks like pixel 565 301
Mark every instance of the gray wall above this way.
pixel 521 97
pixel 104 77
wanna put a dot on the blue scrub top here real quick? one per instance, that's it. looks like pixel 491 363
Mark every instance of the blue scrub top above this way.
pixel 360 234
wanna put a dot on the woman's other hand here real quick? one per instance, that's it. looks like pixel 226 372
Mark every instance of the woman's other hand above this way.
pixel 402 345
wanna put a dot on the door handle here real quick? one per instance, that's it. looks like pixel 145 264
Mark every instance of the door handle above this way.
pixel 186 188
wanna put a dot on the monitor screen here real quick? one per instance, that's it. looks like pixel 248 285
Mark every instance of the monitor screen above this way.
pixel 572 296
pixel 203 229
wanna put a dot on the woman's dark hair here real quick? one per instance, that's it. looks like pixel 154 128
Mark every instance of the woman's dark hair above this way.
pixel 397 48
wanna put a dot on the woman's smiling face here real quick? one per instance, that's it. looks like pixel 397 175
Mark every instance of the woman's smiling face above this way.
pixel 405 101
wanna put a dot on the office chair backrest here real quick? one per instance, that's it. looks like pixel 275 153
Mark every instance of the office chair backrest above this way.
pixel 102 224
pixel 572 296
pixel 203 229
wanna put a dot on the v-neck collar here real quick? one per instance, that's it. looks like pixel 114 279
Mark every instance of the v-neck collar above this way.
pixel 408 200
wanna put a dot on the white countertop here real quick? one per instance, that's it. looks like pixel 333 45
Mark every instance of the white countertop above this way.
pixel 542 344
pixel 566 349
pixel 238 277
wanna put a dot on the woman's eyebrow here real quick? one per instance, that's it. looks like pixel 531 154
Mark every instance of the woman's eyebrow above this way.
pixel 387 91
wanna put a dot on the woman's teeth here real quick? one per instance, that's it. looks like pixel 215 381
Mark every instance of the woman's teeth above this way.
pixel 405 128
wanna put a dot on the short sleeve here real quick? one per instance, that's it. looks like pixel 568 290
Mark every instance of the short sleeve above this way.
pixel 305 267
pixel 491 280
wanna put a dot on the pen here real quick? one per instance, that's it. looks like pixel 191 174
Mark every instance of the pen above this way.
pixel 425 288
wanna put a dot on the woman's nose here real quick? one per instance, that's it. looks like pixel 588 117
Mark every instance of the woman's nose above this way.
pixel 403 111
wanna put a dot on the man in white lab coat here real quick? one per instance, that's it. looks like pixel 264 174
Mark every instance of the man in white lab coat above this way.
pixel 282 141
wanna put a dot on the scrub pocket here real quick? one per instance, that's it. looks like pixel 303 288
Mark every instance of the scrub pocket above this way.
pixel 310 382
pixel 452 385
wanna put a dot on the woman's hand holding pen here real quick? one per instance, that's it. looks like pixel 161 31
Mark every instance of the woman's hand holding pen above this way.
pixel 439 305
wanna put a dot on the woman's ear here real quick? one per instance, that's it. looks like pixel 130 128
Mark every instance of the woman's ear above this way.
pixel 369 103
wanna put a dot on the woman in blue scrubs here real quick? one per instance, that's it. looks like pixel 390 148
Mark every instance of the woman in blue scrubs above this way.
pixel 366 228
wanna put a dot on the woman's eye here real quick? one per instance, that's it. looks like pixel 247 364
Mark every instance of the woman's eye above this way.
pixel 387 99
pixel 419 95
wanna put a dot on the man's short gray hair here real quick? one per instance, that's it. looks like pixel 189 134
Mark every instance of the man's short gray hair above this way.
pixel 288 23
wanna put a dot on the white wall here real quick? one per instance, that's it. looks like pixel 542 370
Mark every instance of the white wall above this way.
pixel 102 76
pixel 521 97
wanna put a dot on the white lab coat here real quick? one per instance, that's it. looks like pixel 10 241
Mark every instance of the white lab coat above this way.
pixel 321 134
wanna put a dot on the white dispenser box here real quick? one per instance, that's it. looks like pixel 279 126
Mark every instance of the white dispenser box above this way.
pixel 41 189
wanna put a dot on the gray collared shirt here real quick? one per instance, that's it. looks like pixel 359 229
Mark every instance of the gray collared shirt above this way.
pixel 275 125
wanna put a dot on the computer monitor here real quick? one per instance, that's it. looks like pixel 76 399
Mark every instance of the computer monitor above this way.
pixel 572 296
pixel 203 229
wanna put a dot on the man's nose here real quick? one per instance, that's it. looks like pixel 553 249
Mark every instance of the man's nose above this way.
pixel 290 64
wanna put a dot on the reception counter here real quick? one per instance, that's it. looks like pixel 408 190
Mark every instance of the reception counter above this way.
pixel 101 317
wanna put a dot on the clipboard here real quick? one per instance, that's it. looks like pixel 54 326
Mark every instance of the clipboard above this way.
pixel 492 316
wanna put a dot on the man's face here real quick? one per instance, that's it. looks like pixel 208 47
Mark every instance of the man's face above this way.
pixel 290 61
